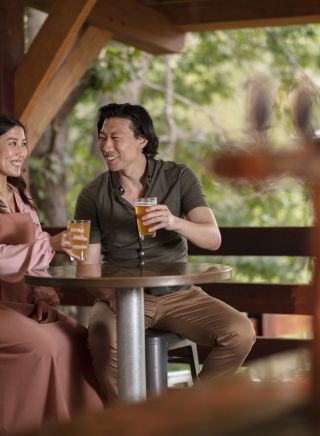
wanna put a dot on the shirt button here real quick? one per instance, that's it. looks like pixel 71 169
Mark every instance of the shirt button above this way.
pixel 141 253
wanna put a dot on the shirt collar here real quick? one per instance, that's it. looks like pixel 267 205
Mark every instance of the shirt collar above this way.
pixel 150 171
pixel 115 179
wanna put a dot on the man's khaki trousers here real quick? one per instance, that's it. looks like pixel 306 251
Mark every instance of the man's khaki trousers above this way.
pixel 192 314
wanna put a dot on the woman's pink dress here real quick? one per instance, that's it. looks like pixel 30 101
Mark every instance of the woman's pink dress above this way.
pixel 45 369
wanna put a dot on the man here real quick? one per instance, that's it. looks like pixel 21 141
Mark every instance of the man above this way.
pixel 129 145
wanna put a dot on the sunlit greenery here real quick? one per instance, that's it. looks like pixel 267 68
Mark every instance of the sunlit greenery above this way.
pixel 209 80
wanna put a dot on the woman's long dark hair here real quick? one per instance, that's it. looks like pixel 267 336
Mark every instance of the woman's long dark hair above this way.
pixel 7 122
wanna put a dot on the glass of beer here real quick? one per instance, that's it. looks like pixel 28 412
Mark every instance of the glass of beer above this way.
pixel 140 205
pixel 79 247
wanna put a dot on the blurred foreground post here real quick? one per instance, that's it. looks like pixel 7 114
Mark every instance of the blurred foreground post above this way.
pixel 260 163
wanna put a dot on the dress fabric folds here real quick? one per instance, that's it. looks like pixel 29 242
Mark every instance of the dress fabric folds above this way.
pixel 45 369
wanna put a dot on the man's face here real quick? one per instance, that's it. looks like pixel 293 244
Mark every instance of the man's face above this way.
pixel 119 146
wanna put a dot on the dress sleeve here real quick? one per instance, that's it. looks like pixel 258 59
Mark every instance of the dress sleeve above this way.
pixel 15 260
pixel 23 246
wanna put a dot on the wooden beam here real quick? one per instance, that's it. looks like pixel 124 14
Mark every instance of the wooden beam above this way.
pixel 262 298
pixel 280 326
pixel 11 49
pixel 260 241
pixel 75 65
pixel 245 297
pixel 138 25
pixel 204 15
pixel 230 406
pixel 47 52
pixel 132 23
pixel 76 296
pixel 263 347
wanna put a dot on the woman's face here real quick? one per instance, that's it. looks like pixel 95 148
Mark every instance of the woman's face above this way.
pixel 13 151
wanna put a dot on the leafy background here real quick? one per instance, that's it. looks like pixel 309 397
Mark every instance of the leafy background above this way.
pixel 198 102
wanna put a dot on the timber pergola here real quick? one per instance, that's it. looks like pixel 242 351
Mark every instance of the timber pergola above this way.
pixel 34 84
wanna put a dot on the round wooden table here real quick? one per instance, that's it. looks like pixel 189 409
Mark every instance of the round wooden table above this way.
pixel 129 281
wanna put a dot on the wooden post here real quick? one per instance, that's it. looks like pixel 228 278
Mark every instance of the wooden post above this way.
pixel 302 162
pixel 11 49
pixel 316 303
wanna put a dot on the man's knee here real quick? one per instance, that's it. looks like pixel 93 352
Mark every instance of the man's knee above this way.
pixel 244 335
pixel 239 336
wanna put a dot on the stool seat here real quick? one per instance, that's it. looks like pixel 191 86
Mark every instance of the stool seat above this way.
pixel 158 343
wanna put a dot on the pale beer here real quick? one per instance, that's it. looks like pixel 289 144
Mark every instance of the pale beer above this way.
pixel 140 205
pixel 81 253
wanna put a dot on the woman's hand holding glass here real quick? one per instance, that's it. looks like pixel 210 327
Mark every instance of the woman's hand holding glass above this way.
pixel 74 241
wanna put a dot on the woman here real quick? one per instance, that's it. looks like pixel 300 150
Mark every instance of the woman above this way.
pixel 45 370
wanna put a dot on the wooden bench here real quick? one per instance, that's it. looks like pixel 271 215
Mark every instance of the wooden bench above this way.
pixel 254 298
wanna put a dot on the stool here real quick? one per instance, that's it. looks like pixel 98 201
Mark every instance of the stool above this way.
pixel 158 343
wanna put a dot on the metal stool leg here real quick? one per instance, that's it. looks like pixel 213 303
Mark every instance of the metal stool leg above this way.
pixel 156 364
pixel 194 364
pixel 157 345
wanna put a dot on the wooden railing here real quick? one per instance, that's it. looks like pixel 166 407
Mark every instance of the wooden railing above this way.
pixel 258 299
pixel 254 298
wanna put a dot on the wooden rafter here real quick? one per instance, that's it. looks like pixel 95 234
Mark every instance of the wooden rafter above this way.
pixel 47 52
pixel 195 15
pixel 72 69
pixel 157 25
pixel 202 15
pixel 11 49
pixel 138 25
pixel 132 23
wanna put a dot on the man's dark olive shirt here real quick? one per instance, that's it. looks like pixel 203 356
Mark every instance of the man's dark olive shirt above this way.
pixel 113 222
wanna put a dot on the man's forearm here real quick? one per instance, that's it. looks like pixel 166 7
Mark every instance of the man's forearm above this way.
pixel 204 235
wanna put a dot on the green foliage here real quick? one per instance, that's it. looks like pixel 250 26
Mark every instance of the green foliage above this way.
pixel 212 71
pixel 264 269
pixel 116 66
pixel 209 79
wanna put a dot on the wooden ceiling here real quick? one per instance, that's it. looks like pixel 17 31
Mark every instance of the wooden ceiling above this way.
pixel 158 26
pixel 34 85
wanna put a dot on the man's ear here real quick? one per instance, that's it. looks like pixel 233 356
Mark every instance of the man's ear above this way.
pixel 143 142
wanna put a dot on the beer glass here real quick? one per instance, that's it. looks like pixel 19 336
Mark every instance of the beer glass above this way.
pixel 140 205
pixel 82 252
